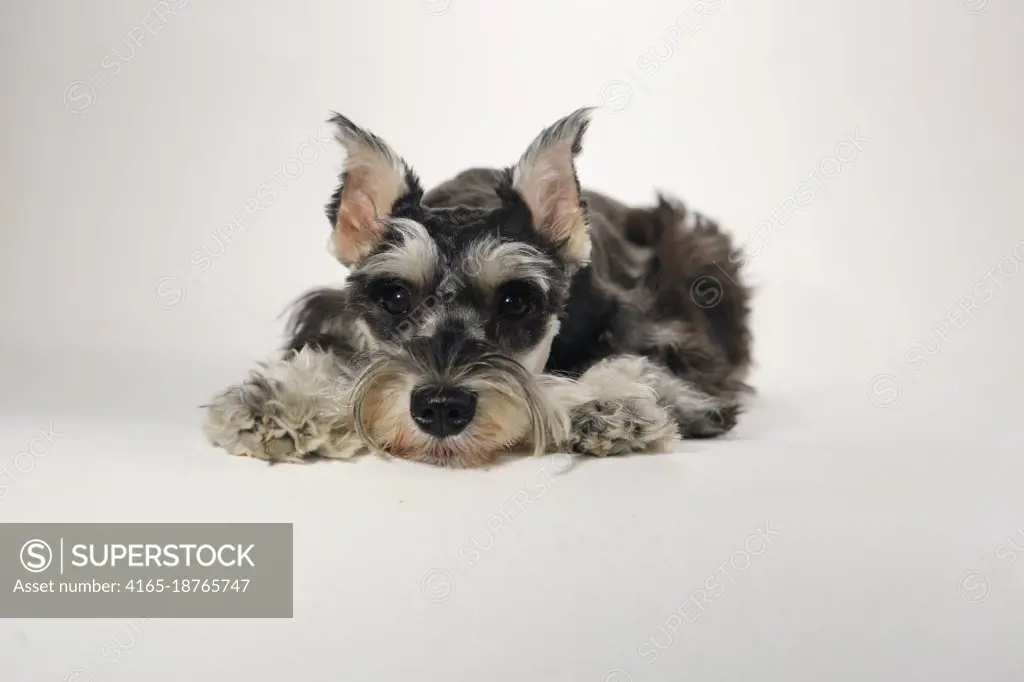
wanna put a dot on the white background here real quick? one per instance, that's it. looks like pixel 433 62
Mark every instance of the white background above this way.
pixel 889 481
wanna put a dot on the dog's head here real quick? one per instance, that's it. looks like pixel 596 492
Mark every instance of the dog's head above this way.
pixel 458 305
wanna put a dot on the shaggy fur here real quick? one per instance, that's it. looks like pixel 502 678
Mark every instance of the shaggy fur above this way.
pixel 564 320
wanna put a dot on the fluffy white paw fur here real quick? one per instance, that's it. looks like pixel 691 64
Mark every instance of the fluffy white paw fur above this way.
pixel 290 410
pixel 614 410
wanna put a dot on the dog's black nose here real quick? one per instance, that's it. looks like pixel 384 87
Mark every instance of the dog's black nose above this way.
pixel 442 411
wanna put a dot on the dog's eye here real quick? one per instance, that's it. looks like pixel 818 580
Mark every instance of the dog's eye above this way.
pixel 515 300
pixel 395 299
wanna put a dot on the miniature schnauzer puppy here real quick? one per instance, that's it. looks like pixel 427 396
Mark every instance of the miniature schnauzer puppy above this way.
pixel 503 309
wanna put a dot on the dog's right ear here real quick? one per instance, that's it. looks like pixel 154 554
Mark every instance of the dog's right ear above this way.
pixel 374 179
pixel 545 178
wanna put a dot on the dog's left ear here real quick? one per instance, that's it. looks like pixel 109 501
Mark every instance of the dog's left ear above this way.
pixel 545 178
pixel 375 183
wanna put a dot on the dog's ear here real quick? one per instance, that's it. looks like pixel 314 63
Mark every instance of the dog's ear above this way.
pixel 375 182
pixel 545 178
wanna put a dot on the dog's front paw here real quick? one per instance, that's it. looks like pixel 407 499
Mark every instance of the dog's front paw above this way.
pixel 616 427
pixel 262 419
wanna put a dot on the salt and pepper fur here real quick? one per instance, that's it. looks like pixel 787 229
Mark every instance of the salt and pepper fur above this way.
pixel 636 335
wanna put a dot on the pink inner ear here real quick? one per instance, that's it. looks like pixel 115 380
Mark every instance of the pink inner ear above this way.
pixel 373 181
pixel 358 229
pixel 547 184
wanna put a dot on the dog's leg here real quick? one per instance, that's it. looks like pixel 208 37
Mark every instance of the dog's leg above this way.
pixel 696 413
pixel 627 403
pixel 289 410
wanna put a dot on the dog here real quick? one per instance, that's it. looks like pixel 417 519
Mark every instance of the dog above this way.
pixel 505 309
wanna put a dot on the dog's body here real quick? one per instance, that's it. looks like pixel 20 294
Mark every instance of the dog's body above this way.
pixel 504 308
